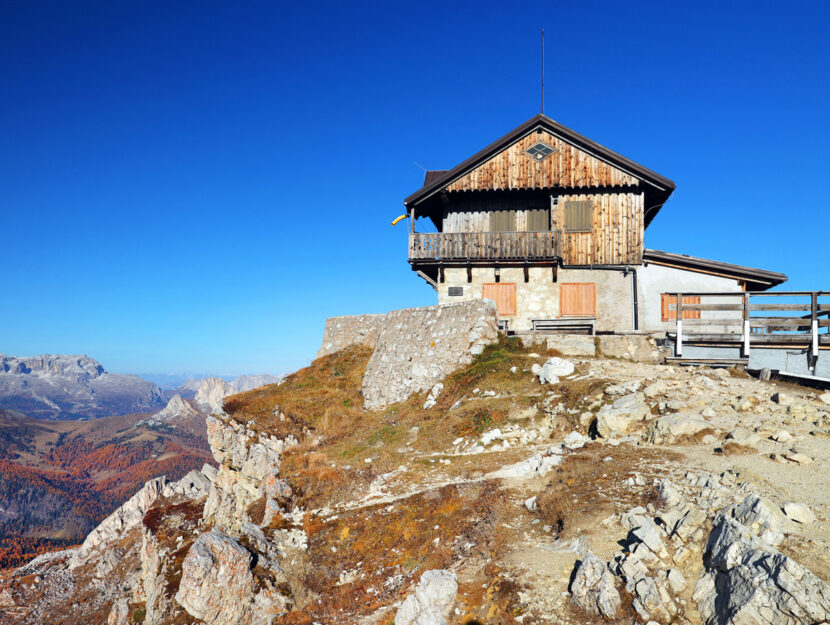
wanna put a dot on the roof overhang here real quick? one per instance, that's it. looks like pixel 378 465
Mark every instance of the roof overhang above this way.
pixel 755 279
pixel 659 187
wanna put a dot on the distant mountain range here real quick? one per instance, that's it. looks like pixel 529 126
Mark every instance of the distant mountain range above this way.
pixel 72 387
pixel 60 477
pixel 78 387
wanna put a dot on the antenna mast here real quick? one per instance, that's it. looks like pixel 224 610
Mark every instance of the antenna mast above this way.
pixel 543 71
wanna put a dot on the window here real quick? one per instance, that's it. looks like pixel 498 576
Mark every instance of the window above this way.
pixel 503 221
pixel 579 216
pixel 578 299
pixel 538 220
pixel 540 150
pixel 504 294
pixel 668 303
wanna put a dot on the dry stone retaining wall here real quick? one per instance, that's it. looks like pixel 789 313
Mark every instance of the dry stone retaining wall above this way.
pixel 414 347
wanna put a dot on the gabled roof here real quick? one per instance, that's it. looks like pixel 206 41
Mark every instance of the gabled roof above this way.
pixel 756 279
pixel 434 181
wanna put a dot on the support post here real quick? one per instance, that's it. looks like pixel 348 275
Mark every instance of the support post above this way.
pixel 814 327
pixel 746 325
pixel 469 274
pixel 678 317
pixel 412 221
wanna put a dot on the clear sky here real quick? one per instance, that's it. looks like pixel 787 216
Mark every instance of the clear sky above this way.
pixel 196 186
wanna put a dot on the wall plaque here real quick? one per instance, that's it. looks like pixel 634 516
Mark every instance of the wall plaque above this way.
pixel 455 291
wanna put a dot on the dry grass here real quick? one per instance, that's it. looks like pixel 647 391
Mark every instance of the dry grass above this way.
pixel 427 531
pixel 585 487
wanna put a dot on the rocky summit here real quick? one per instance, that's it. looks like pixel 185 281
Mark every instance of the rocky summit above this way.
pixel 525 486
pixel 72 387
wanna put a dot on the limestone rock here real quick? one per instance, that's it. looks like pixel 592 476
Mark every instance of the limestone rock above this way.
pixel 655 389
pixel 761 515
pixel 433 396
pixel 825 397
pixel 593 588
pixel 748 584
pixel 212 392
pixel 216 583
pixel 799 512
pixel 623 388
pixel 127 516
pixel 620 416
pixel 432 600
pixel 119 613
pixel 553 369
pixel 667 429
pixel 636 347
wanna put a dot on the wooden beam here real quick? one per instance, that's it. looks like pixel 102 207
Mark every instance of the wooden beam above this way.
pixel 469 273
pixel 527 273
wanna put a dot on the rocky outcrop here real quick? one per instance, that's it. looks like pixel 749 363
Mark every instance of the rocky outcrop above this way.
pixel 129 515
pixel 211 393
pixel 248 463
pixel 746 583
pixel 69 387
pixel 415 348
pixel 623 415
pixel 593 588
pixel 218 585
pixel 432 600
pixel 177 408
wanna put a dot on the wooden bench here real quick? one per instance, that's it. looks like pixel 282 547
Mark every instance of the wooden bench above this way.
pixel 566 325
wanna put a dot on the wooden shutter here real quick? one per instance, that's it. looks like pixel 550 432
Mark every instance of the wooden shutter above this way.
pixel 538 220
pixel 579 216
pixel 503 221
pixel 670 299
pixel 504 294
pixel 578 299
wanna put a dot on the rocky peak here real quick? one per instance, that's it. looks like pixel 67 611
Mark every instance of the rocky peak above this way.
pixel 212 391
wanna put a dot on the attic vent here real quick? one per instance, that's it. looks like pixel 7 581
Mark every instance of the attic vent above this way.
pixel 539 151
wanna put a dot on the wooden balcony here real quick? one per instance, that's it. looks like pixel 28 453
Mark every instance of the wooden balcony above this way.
pixel 482 246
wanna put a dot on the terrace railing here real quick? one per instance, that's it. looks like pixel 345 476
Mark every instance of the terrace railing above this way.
pixel 797 318
pixel 484 245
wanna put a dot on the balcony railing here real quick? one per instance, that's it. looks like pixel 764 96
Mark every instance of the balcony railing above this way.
pixel 484 245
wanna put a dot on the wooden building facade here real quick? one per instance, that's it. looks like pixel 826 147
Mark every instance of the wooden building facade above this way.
pixel 547 223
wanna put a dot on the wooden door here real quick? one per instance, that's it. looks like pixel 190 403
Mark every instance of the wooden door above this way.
pixel 504 294
pixel 578 299
pixel 670 314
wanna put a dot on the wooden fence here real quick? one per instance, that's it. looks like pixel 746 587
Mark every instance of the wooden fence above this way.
pixel 781 318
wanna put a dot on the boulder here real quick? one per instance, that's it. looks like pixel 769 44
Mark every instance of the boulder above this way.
pixel 553 369
pixel 825 397
pixel 217 584
pixel 669 428
pixel 762 516
pixel 620 416
pixel 748 584
pixel 573 344
pixel 432 600
pixel 433 396
pixel 799 513
pixel 593 588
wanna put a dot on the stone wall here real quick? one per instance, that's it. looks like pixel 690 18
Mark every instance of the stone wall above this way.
pixel 414 347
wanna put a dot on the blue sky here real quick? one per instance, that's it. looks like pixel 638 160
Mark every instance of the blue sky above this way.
pixel 196 186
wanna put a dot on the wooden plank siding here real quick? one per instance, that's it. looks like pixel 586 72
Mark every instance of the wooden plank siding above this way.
pixel 617 236
pixel 567 167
